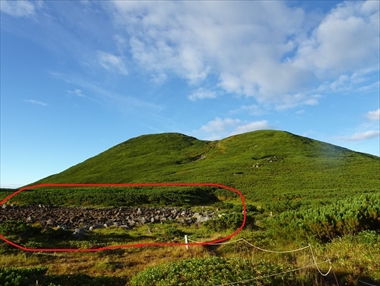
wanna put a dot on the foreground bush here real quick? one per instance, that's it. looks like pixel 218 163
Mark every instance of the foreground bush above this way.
pixel 345 217
pixel 214 271
pixel 38 276
pixel 21 276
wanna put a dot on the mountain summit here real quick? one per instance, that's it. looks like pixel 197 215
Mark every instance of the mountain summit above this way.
pixel 259 161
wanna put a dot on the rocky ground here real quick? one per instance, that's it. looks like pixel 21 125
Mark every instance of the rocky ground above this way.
pixel 89 218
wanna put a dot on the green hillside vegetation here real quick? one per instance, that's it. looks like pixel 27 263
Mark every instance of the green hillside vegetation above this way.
pixel 264 165
pixel 298 192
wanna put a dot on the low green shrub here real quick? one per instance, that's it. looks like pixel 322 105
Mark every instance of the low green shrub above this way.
pixel 214 271
pixel 117 196
pixel 324 223
pixel 231 220
pixel 172 233
pixel 21 276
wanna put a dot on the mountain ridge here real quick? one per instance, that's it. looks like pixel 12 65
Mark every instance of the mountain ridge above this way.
pixel 266 161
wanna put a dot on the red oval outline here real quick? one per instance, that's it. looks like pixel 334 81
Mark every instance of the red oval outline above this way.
pixel 129 245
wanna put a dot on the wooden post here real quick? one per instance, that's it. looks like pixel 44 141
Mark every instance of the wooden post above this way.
pixel 186 241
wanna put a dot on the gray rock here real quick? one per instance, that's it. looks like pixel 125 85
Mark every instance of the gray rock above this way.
pixel 79 233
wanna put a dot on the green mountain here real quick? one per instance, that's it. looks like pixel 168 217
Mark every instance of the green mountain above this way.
pixel 263 165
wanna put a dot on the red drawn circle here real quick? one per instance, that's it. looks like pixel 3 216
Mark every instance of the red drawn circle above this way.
pixel 129 245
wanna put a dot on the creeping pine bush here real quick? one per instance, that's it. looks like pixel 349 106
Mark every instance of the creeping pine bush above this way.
pixel 214 271
pixel 18 227
pixel 233 219
pixel 345 217
pixel 21 276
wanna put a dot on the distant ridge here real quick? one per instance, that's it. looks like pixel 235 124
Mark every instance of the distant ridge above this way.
pixel 264 161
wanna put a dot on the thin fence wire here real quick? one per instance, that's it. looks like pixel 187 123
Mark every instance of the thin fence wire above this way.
pixel 254 246
pixel 276 251
pixel 271 275
pixel 218 243
pixel 365 283
pixel 315 263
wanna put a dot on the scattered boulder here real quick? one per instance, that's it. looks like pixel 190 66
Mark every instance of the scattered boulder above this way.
pixel 76 217
pixel 79 233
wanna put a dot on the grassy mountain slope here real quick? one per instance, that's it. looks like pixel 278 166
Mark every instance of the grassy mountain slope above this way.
pixel 261 164
pixel 298 191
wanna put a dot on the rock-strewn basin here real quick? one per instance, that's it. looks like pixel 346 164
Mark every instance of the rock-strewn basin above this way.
pixel 90 218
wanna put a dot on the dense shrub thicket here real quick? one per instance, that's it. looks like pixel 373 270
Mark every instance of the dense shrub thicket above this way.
pixel 117 196
pixel 345 217
pixel 20 228
pixel 233 218
pixel 21 276
pixel 214 271
pixel 38 276
pixel 34 236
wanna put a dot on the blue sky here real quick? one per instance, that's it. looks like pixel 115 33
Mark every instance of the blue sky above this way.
pixel 78 77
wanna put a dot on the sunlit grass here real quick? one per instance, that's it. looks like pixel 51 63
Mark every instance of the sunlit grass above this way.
pixel 293 173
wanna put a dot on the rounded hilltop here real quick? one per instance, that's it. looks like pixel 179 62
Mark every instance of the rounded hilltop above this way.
pixel 264 161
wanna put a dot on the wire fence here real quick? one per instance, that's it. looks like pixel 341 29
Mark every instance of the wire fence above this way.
pixel 366 283
pixel 315 264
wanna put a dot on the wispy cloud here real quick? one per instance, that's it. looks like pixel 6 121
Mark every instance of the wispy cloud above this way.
pixel 259 49
pixel 121 100
pixel 111 62
pixel 252 126
pixel 221 128
pixel 36 102
pixel 18 9
pixel 202 94
pixel 360 136
pixel 336 45
pixel 253 109
pixel 374 115
pixel 77 92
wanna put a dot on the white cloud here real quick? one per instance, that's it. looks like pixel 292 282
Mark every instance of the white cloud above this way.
pixel 219 125
pixel 77 92
pixel 369 87
pixel 221 128
pixel 337 44
pixel 290 101
pixel 360 136
pixel 253 109
pixel 202 94
pixel 111 62
pixel 257 125
pixel 17 9
pixel 122 100
pixel 259 49
pixel 373 115
pixel 241 44
pixel 36 102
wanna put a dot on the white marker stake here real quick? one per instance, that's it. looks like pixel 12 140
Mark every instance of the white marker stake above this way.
pixel 186 241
